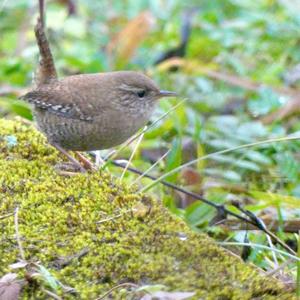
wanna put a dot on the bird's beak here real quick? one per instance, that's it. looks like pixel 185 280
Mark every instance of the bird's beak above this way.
pixel 166 94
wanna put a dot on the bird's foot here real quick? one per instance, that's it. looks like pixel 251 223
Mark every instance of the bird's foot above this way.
pixel 73 161
pixel 88 165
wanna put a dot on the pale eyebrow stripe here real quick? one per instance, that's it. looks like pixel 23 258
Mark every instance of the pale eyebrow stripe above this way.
pixel 129 88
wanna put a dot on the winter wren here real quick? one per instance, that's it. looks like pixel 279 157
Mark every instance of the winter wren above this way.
pixel 94 111
pixel 90 111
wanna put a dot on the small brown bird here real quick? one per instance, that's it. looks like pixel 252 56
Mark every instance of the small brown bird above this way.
pixel 94 111
pixel 90 111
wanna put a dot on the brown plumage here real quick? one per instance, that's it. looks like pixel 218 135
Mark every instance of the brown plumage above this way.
pixel 89 111
pixel 94 111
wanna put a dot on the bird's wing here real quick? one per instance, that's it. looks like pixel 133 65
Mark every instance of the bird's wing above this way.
pixel 58 100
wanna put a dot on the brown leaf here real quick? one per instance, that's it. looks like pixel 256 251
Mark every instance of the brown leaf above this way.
pixel 191 176
pixel 9 287
pixel 290 108
pixel 140 210
pixel 124 43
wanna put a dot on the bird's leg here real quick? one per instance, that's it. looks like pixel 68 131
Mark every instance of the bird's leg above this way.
pixel 86 162
pixel 74 161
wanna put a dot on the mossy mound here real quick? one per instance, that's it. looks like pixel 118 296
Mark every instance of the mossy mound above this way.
pixel 126 237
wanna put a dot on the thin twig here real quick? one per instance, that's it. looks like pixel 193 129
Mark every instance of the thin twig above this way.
pixel 290 226
pixel 117 287
pixel 259 246
pixel 179 189
pixel 150 169
pixel 17 234
pixel 192 162
pixel 272 247
pixel 261 225
pixel 109 219
pixel 279 268
pixel 218 207
pixel 51 294
pixel 278 240
pixel 133 153
pixel 6 216
pixel 113 217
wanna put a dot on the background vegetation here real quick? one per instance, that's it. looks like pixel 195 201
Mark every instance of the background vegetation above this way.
pixel 238 84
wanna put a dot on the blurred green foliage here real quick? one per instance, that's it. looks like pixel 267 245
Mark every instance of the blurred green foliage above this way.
pixel 252 40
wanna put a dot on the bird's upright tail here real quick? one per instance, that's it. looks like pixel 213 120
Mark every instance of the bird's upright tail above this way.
pixel 46 71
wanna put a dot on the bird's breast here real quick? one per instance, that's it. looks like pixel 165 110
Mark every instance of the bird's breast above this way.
pixel 105 131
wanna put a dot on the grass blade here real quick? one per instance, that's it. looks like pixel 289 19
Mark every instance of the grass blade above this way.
pixel 275 140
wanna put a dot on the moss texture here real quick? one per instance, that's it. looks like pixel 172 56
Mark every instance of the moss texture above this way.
pixel 128 237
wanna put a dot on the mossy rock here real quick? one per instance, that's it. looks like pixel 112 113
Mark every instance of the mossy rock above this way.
pixel 126 237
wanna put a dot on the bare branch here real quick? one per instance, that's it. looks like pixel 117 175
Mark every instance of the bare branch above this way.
pixel 290 226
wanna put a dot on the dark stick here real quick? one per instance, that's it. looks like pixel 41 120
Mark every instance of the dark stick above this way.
pixel 261 225
pixel 179 189
pixel 220 208
pixel 288 226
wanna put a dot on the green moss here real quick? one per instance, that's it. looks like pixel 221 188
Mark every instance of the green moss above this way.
pixel 129 237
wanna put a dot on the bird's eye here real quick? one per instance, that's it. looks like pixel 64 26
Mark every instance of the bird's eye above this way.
pixel 141 93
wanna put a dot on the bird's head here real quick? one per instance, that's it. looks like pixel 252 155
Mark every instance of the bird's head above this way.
pixel 137 89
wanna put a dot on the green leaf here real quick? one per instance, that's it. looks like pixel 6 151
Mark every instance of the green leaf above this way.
pixel 233 161
pixel 50 280
pixel 276 199
pixel 198 213
pixel 226 174
pixel 288 166
pixel 257 157
pixel 174 159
